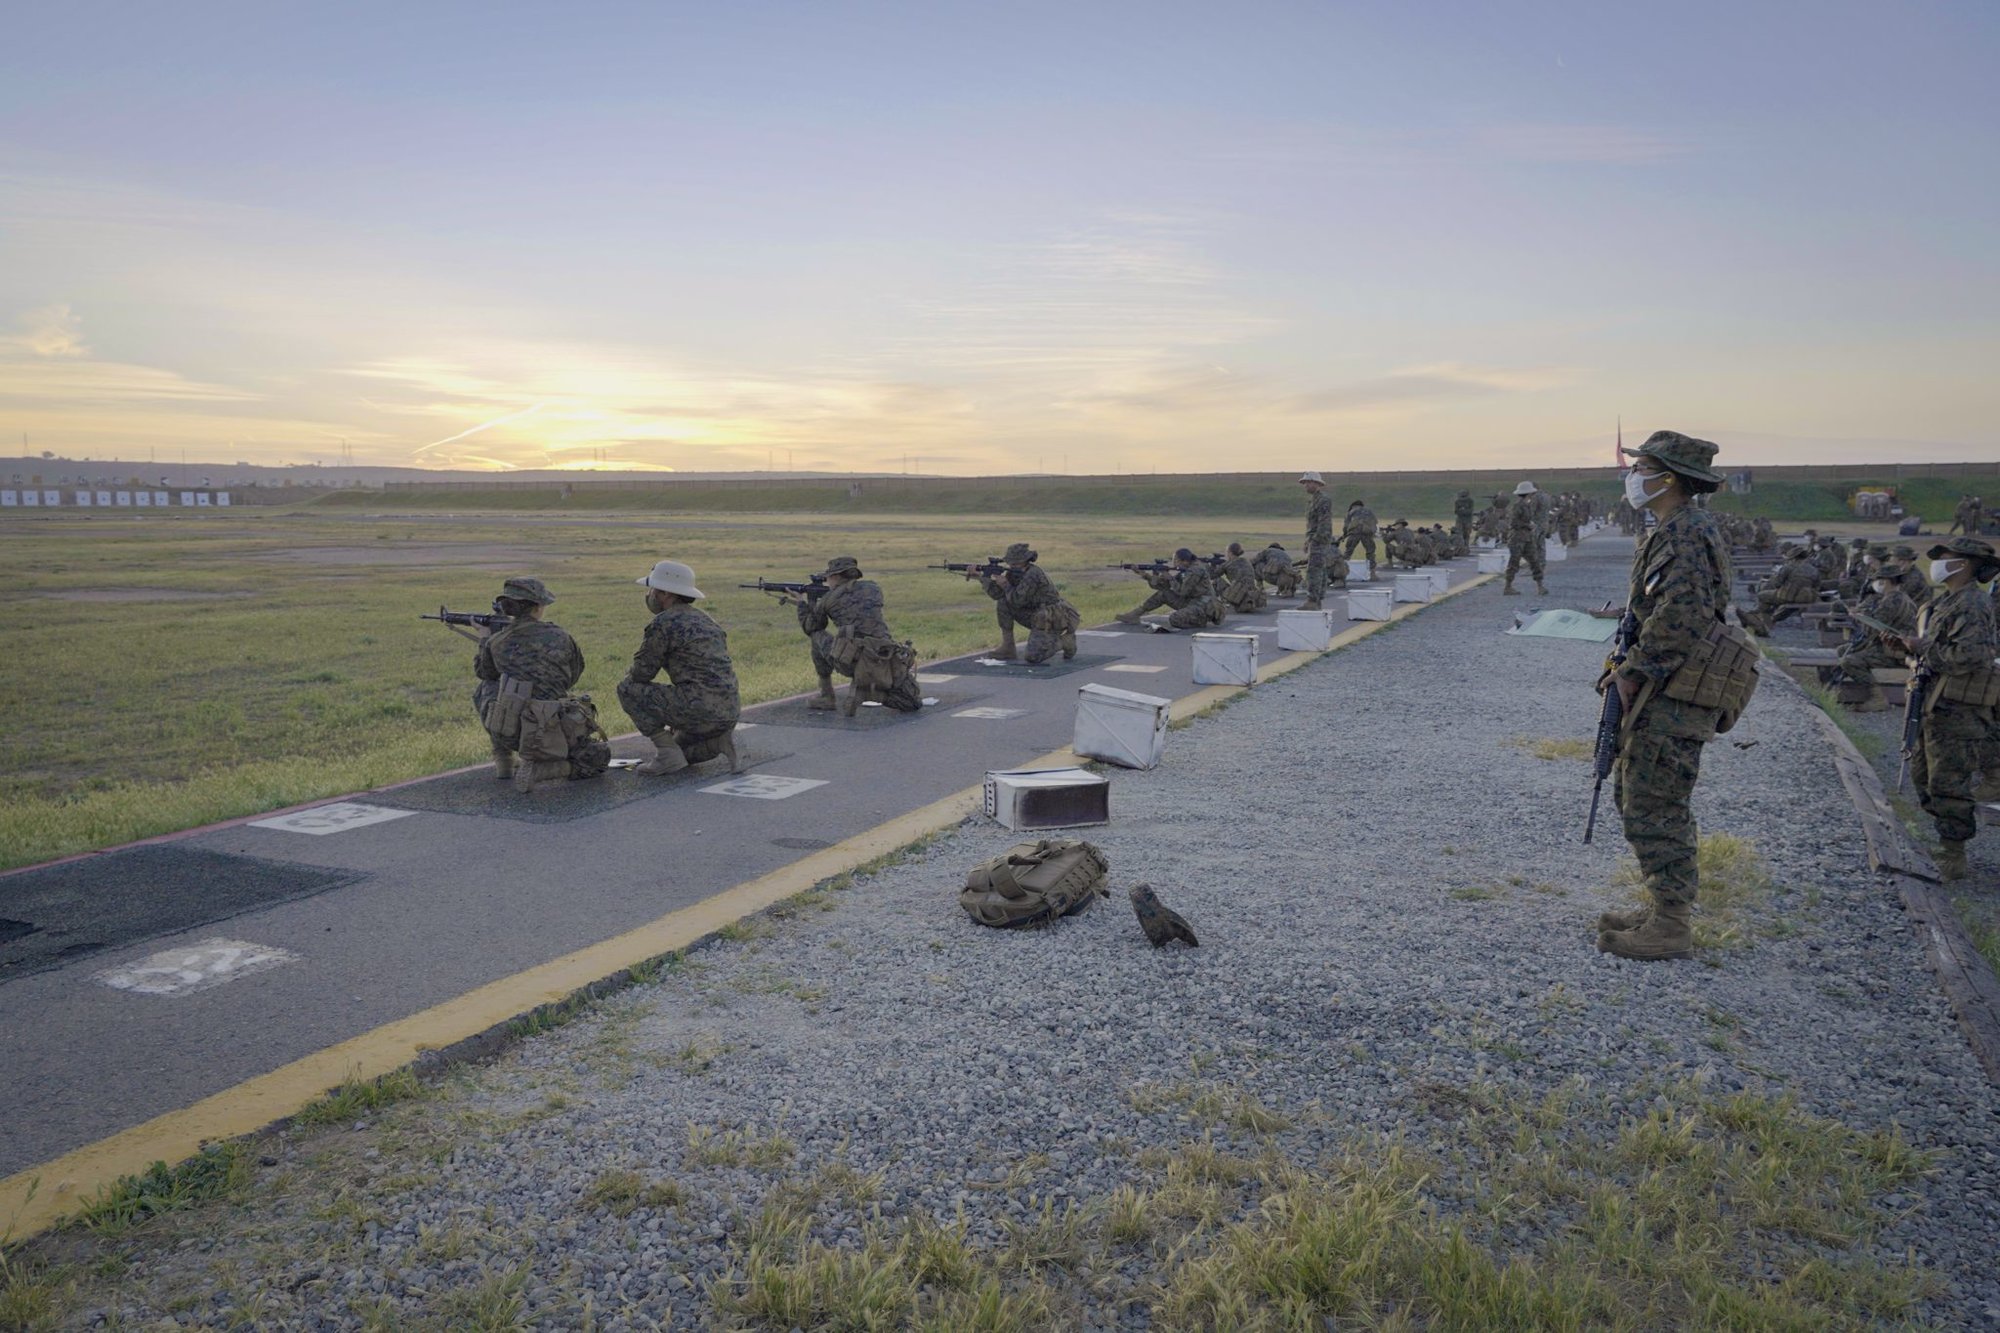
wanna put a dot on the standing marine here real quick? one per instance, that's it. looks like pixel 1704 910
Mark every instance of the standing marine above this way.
pixel 1024 595
pixel 849 635
pixel 1461 511
pixel 1527 529
pixel 1956 688
pixel 1319 539
pixel 693 716
pixel 1684 677
pixel 1187 588
pixel 526 670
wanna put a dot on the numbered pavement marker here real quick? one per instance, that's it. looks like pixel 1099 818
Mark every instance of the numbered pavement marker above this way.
pixel 763 787
pixel 335 818
pixel 194 967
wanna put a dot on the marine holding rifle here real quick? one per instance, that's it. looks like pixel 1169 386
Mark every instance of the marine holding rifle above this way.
pixel 849 635
pixel 1954 689
pixel 527 667
pixel 1024 595
pixel 1187 586
pixel 693 716
pixel 1675 633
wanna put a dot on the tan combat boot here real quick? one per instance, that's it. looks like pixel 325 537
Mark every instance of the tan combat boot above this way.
pixel 1874 701
pixel 1951 861
pixel 1507 589
pixel 1310 604
pixel 729 753
pixel 532 773
pixel 1630 918
pixel 1667 933
pixel 824 702
pixel 667 757
pixel 1006 652
pixel 1541 587
pixel 504 760
pixel 1068 644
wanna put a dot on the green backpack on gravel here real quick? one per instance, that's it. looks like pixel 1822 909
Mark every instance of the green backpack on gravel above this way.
pixel 1034 882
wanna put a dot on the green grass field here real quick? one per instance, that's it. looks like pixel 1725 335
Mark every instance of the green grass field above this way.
pixel 161 675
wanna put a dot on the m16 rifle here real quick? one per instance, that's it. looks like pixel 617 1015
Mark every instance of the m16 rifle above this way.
pixel 1610 722
pixel 453 619
pixel 992 569
pixel 1214 562
pixel 811 590
pixel 1914 696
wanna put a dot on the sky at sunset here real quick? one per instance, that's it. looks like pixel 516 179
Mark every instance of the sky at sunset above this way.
pixel 999 237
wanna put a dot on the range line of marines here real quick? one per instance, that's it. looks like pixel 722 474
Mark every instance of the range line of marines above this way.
pixel 1678 600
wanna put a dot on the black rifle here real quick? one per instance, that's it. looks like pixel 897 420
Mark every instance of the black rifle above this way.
pixel 1610 722
pixel 811 590
pixel 1914 695
pixel 992 569
pixel 453 619
pixel 1214 562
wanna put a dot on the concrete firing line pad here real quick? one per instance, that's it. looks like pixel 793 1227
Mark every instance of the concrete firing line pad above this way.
pixel 79 909
pixel 467 894
pixel 794 713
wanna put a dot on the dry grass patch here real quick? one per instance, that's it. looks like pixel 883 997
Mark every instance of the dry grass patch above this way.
pixel 1735 891
pixel 1553 748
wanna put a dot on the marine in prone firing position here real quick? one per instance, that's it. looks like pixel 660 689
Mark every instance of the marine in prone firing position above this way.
pixel 693 716
pixel 849 635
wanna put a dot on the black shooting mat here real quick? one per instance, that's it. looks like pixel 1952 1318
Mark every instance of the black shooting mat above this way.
pixel 68 911
pixel 480 793
pixel 968 668
pixel 794 713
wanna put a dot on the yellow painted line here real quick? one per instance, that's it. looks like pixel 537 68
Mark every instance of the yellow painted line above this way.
pixel 36 1199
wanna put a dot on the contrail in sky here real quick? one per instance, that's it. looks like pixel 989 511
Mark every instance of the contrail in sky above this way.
pixel 484 425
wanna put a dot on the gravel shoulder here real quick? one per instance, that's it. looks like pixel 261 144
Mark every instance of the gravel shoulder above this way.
pixel 1396 1018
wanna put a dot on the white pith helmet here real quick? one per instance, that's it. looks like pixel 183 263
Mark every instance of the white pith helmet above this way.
pixel 674 577
pixel 1525 488
pixel 1311 476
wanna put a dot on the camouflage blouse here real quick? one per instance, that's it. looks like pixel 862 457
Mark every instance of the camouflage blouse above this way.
pixel 692 649
pixel 541 653
pixel 854 608
pixel 1958 632
pixel 1319 520
pixel 1680 586
pixel 1027 589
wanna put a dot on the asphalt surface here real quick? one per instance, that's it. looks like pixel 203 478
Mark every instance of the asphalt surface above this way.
pixel 477 883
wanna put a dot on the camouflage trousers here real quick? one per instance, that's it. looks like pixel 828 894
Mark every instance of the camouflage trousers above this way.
pixel 699 721
pixel 1285 580
pixel 1192 615
pixel 901 692
pixel 1051 630
pixel 1531 551
pixel 1954 739
pixel 1464 528
pixel 1244 596
pixel 588 754
pixel 1770 602
pixel 1320 561
pixel 1856 666
pixel 1654 784
pixel 1363 540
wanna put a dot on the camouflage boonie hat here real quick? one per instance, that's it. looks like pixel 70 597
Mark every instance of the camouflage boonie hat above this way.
pixel 1906 552
pixel 1017 554
pixel 843 564
pixel 1965 548
pixel 1683 454
pixel 527 590
pixel 1798 553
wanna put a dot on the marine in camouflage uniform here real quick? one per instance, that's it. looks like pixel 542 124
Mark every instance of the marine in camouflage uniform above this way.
pixel 1242 591
pixel 693 716
pixel 1358 530
pixel 540 655
pixel 1026 596
pixel 1319 540
pixel 1461 512
pixel 1188 588
pixel 1679 589
pixel 1952 653
pixel 1794 583
pixel 1871 651
pixel 1274 566
pixel 845 623
pixel 1527 528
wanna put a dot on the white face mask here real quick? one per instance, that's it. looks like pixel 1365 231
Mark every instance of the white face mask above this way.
pixel 1880 585
pixel 1636 493
pixel 1944 569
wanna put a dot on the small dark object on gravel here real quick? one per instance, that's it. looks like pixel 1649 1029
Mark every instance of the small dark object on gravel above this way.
pixel 1742 745
pixel 1161 923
